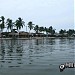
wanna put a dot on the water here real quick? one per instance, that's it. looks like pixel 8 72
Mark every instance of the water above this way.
pixel 36 57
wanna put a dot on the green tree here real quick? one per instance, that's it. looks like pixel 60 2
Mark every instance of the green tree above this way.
pixel 62 32
pixel 10 24
pixel 71 32
pixel 30 25
pixel 36 28
pixel 41 29
pixel 2 23
pixel 50 30
pixel 19 24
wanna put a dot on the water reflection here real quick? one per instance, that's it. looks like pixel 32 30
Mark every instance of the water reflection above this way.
pixel 39 41
pixel 35 53
pixel 50 41
pixel 11 51
pixel 2 49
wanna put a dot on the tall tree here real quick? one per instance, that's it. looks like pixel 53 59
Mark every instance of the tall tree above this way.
pixel 10 24
pixel 62 32
pixel 50 29
pixel 41 29
pixel 19 23
pixel 71 32
pixel 2 23
pixel 36 28
pixel 30 25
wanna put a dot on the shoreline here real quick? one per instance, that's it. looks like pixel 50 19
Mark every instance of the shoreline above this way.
pixel 39 38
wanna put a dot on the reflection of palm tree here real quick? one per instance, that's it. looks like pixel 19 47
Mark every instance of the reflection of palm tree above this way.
pixel 2 49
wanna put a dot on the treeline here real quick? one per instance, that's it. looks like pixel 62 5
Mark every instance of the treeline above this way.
pixel 19 23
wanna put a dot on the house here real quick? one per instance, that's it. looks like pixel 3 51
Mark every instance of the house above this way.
pixel 12 34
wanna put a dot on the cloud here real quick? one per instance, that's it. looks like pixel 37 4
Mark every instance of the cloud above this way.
pixel 42 12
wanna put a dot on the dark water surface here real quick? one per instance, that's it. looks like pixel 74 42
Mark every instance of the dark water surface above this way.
pixel 36 57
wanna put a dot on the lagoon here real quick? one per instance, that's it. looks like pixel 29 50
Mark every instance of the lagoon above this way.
pixel 36 56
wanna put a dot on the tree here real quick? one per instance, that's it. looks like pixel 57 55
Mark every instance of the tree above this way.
pixel 30 25
pixel 36 28
pixel 70 32
pixel 41 29
pixel 53 31
pixel 62 32
pixel 50 30
pixel 2 23
pixel 10 24
pixel 19 24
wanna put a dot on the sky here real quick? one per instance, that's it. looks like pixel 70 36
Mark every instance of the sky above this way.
pixel 56 13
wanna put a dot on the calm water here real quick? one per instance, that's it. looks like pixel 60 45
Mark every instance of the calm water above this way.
pixel 36 57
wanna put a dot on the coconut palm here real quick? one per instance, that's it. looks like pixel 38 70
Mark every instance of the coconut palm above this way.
pixel 41 29
pixel 36 28
pixel 19 23
pixel 2 23
pixel 51 30
pixel 70 32
pixel 46 30
pixel 10 24
pixel 30 25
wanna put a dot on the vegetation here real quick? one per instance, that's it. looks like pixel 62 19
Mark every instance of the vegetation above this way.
pixel 30 25
pixel 36 29
pixel 19 23
pixel 9 24
pixel 2 23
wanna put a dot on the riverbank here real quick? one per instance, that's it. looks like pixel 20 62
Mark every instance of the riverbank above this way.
pixel 39 38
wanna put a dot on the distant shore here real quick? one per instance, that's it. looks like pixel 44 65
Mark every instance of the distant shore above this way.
pixel 38 38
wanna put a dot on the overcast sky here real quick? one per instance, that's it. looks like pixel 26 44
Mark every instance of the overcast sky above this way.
pixel 56 13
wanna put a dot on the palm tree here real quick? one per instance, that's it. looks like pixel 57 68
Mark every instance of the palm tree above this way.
pixel 42 29
pixel 10 24
pixel 46 30
pixel 2 24
pixel 19 24
pixel 70 32
pixel 36 28
pixel 30 25
pixel 62 32
pixel 50 29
